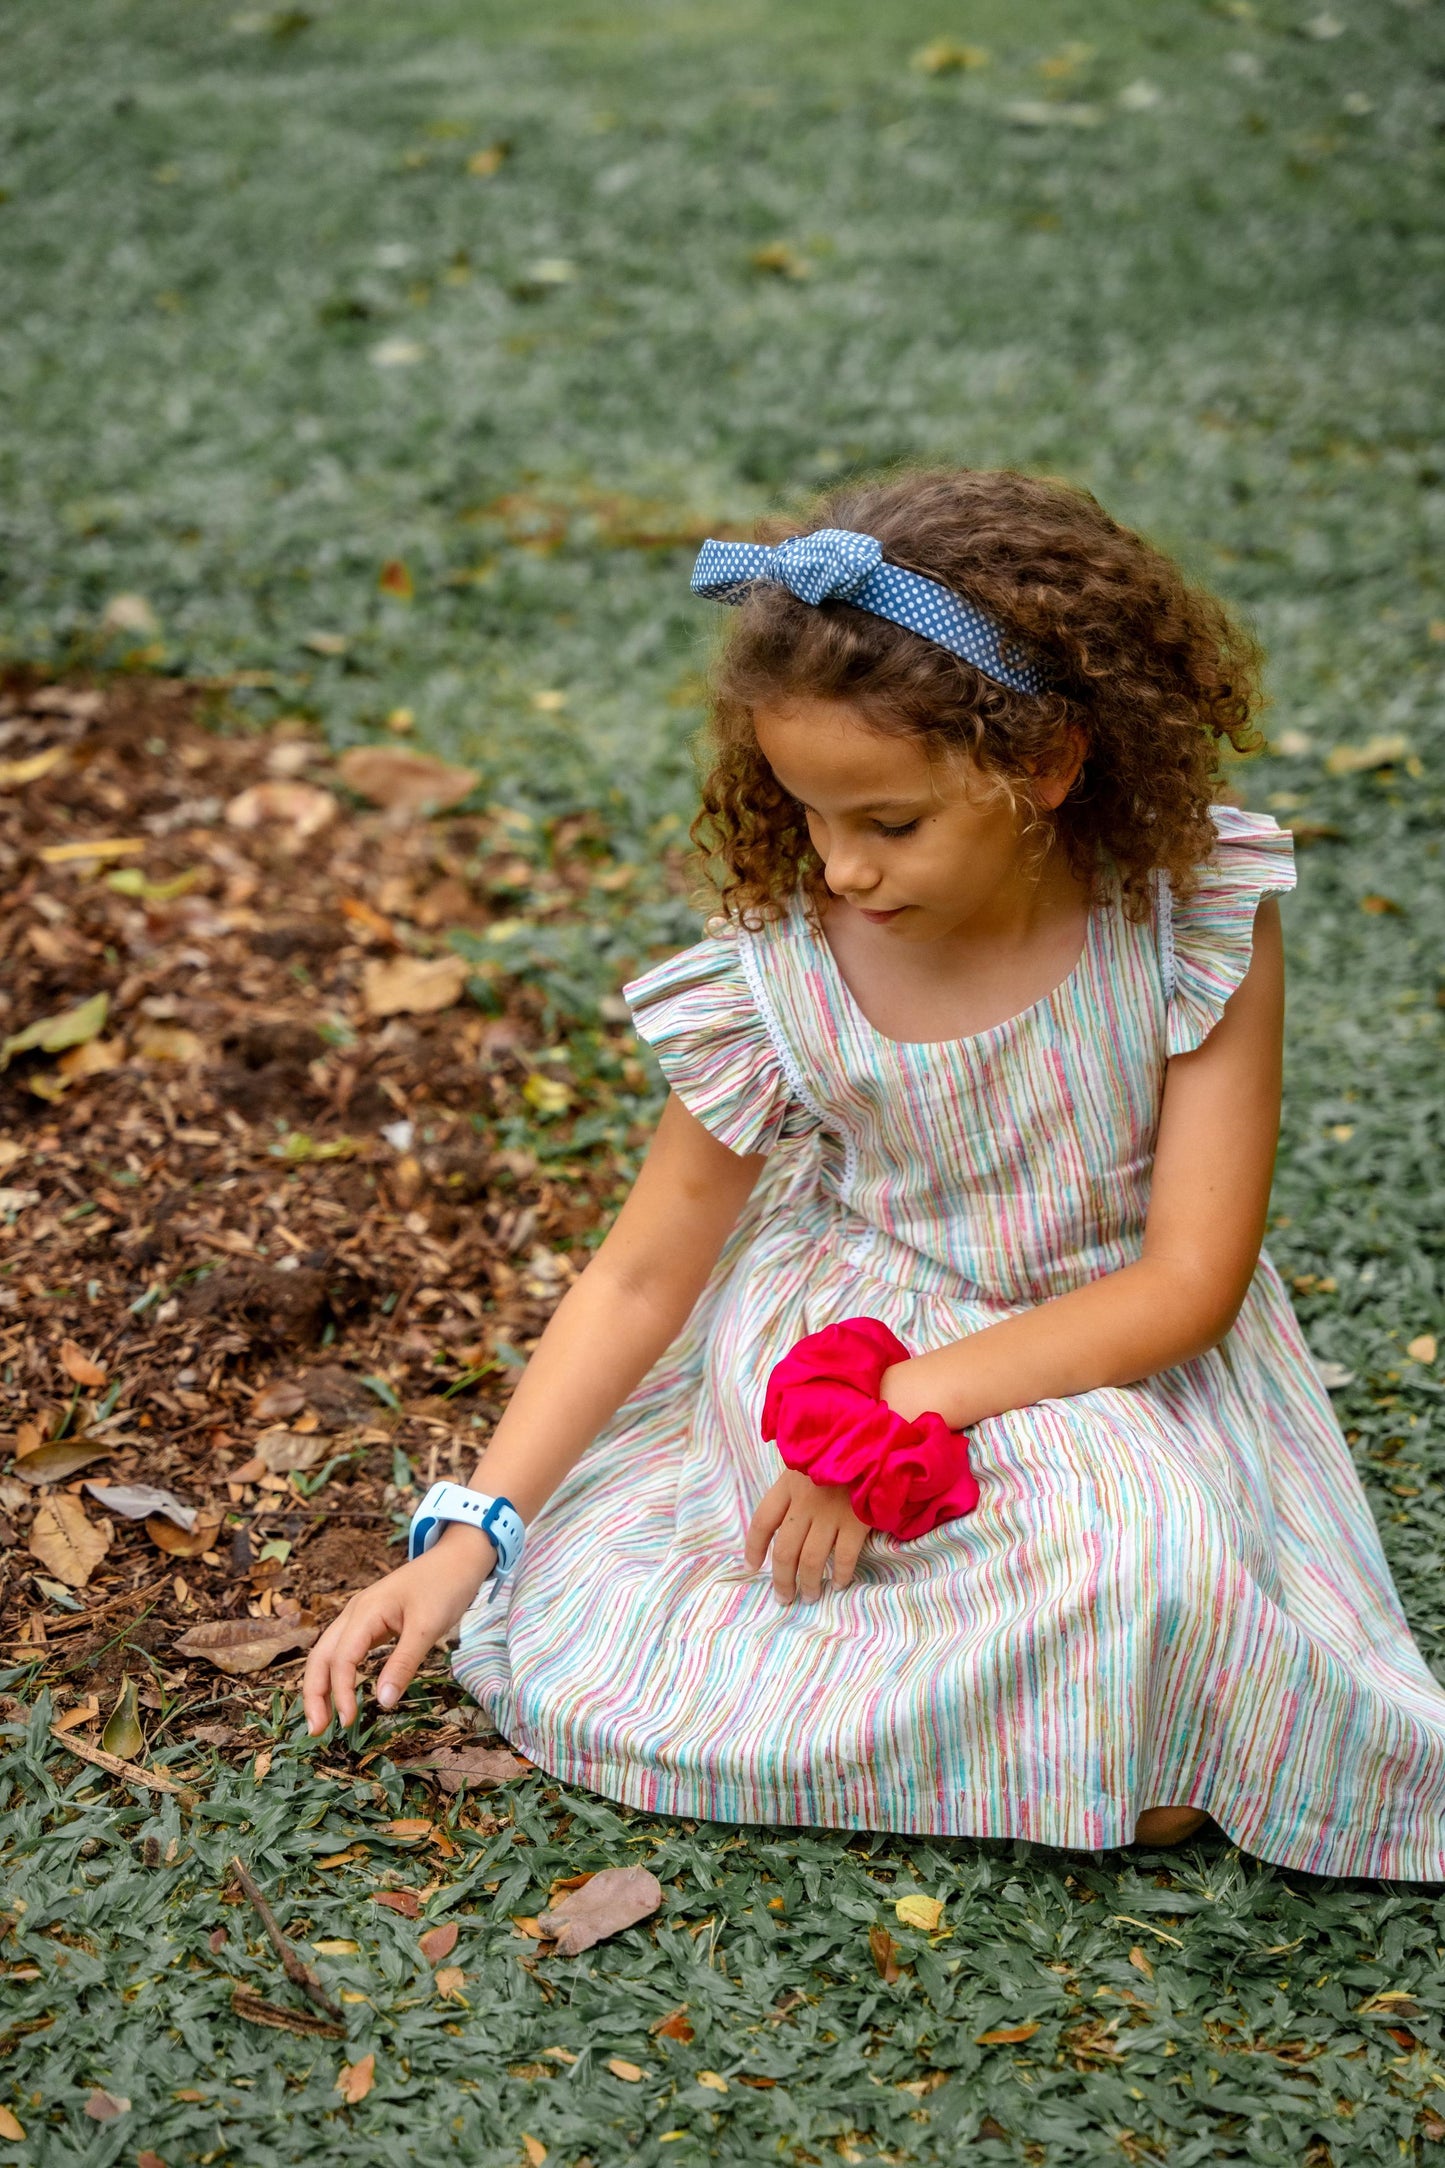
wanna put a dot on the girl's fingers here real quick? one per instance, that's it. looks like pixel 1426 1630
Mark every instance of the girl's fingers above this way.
pixel 787 1547
pixel 847 1551
pixel 813 1559
pixel 360 1631
pixel 401 1667
pixel 772 1510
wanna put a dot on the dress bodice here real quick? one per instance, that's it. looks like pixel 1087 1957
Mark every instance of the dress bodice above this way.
pixel 1008 1165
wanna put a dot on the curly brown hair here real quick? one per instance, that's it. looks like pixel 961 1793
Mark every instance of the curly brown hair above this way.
pixel 1153 673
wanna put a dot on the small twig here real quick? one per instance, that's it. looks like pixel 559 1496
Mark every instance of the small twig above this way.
pixel 297 1972
pixel 153 1779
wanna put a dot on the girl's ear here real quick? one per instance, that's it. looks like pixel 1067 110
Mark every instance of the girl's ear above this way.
pixel 1055 779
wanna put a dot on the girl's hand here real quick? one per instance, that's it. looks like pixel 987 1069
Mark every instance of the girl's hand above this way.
pixel 806 1523
pixel 414 1607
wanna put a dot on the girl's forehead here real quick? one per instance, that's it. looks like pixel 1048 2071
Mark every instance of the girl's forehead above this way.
pixel 829 748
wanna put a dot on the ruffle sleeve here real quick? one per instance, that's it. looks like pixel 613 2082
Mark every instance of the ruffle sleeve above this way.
pixel 1208 941
pixel 697 1013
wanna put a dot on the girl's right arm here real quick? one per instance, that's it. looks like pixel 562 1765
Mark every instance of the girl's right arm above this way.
pixel 613 1323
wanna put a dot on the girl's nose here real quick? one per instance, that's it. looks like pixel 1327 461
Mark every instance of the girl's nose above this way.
pixel 848 873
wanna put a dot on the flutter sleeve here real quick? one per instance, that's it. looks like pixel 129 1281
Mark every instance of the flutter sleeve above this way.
pixel 1207 942
pixel 696 1011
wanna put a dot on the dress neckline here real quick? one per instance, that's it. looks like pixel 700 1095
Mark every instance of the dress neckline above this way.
pixel 847 1000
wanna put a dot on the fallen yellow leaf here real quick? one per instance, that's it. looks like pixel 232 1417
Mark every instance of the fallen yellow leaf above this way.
pixel 714 2082
pixel 30 770
pixel 11 2128
pixel 412 985
pixel 1423 1349
pixel 1374 753
pixel 547 1096
pixel 944 57
pixel 337 1946
pixel 69 854
pixel 919 1911
pixel 628 2072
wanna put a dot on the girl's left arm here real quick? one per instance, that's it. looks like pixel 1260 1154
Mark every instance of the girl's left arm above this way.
pixel 1214 1162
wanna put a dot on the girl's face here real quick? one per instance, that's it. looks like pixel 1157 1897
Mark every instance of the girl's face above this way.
pixel 910 843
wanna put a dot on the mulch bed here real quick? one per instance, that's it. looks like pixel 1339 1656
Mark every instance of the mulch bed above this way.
pixel 260 1246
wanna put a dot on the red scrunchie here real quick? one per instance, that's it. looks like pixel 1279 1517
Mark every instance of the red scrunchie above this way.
pixel 822 1407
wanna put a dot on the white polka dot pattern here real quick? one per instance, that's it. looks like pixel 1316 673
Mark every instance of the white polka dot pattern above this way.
pixel 837 565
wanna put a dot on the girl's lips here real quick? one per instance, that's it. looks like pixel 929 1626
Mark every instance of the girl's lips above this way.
pixel 879 918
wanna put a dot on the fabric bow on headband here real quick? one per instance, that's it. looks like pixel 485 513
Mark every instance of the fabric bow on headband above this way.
pixel 836 564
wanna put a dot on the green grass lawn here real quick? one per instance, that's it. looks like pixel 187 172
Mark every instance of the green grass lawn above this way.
pixel 514 301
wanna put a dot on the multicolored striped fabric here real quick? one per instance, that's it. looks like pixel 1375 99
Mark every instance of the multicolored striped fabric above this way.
pixel 1171 1592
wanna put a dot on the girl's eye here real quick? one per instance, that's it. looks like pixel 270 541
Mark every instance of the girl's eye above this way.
pixel 906 830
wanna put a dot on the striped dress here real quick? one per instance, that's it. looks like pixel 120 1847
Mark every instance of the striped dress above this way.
pixel 1171 1592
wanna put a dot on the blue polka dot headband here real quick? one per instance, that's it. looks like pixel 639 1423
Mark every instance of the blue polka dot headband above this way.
pixel 838 565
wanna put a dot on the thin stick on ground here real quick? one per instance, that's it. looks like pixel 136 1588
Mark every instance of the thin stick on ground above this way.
pixel 297 1971
pixel 154 1780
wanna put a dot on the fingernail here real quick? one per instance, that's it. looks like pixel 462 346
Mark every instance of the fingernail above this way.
pixel 386 1694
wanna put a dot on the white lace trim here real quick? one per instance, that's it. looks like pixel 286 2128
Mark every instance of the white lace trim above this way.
pixel 1164 931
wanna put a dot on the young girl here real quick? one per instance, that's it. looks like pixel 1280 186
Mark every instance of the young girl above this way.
pixel 941 1292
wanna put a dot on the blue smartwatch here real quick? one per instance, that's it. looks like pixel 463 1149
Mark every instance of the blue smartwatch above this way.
pixel 497 1518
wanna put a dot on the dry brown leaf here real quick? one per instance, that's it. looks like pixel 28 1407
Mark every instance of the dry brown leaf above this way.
pixel 456 1767
pixel 410 1827
pixel 401 781
pixel 301 807
pixel 675 2026
pixel 12 2130
pixel 412 985
pixel 628 2072
pixel 78 1365
pixel 406 1902
pixel 168 1042
pixel 1006 2036
pixel 284 1451
pixel 189 1542
pixel 275 1402
pixel 103 2107
pixel 438 1942
pixel 239 1646
pixel 84 1712
pixel 450 1981
pixel 62 1457
pixel 618 1897
pixel 884 1952
pixel 64 1538
pixel 1140 1962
